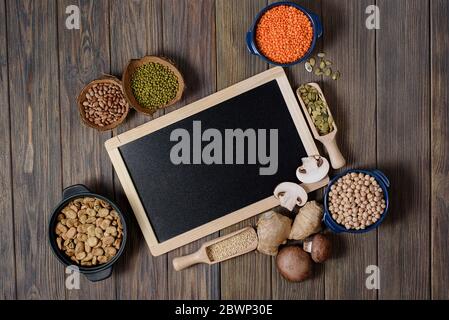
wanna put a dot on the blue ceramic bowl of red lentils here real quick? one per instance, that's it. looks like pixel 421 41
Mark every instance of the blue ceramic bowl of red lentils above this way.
pixel 288 16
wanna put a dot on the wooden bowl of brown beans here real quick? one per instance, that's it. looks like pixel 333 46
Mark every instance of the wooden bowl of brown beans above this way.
pixel 102 104
pixel 356 201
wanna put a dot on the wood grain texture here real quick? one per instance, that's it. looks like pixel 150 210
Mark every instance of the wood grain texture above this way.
pixel 136 31
pixel 440 148
pixel 312 289
pixel 35 118
pixel 403 150
pixel 83 57
pixel 391 107
pixel 352 99
pixel 248 276
pixel 189 40
pixel 7 267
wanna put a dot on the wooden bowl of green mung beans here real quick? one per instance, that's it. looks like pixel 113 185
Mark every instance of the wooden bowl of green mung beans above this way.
pixel 152 83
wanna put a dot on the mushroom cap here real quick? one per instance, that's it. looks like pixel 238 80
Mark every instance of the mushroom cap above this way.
pixel 290 194
pixel 321 248
pixel 294 264
pixel 313 169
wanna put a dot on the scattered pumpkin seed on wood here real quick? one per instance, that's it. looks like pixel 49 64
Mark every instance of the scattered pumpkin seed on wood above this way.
pixel 154 85
pixel 309 67
pixel 321 66
pixel 317 109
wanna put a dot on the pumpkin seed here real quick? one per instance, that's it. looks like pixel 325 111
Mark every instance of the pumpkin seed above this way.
pixel 317 109
pixel 308 67
pixel 336 76
pixel 322 64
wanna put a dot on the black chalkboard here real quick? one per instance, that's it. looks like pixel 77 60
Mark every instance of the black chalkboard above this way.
pixel 179 198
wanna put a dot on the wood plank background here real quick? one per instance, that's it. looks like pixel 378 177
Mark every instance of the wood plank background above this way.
pixel 391 105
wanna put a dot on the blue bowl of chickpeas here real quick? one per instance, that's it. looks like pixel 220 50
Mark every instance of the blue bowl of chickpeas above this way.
pixel 356 201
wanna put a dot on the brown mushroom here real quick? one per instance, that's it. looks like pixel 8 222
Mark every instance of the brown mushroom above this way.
pixel 319 246
pixel 294 264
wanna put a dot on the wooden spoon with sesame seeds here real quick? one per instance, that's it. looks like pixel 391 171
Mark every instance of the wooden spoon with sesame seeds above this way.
pixel 220 249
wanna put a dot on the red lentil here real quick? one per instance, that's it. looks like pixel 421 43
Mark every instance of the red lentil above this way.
pixel 284 34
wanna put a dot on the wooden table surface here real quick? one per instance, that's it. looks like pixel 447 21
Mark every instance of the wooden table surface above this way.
pixel 391 106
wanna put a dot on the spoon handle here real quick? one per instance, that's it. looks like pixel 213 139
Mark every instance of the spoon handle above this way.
pixel 335 156
pixel 181 263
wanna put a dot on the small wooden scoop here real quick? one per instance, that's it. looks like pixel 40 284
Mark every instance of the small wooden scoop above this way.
pixel 201 256
pixel 329 141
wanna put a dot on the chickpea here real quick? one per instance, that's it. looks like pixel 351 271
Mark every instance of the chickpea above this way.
pixel 356 201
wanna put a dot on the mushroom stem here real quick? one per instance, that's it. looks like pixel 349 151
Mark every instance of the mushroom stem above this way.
pixel 307 246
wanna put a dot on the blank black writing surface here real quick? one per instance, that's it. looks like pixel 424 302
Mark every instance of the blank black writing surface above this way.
pixel 179 198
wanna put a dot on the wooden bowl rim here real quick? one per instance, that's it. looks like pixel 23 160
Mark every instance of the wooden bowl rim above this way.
pixel 126 80
pixel 82 97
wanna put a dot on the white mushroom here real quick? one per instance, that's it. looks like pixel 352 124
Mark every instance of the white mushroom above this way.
pixel 290 194
pixel 313 169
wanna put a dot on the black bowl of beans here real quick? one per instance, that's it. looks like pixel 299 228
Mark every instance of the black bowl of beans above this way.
pixel 87 231
pixel 356 201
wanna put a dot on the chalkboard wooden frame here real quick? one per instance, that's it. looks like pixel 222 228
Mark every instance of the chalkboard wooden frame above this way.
pixel 112 147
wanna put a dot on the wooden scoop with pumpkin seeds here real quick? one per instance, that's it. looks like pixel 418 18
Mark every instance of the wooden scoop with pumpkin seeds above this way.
pixel 321 121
